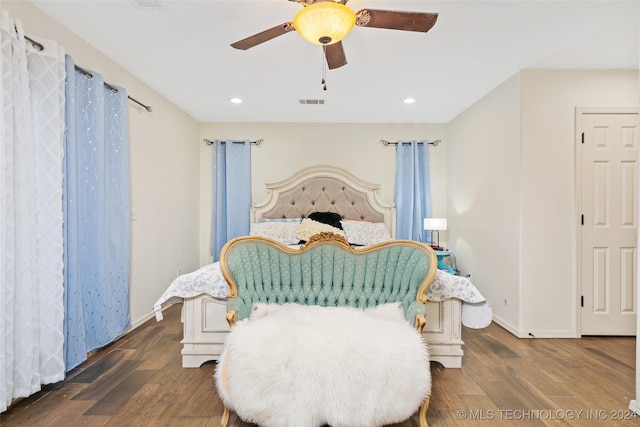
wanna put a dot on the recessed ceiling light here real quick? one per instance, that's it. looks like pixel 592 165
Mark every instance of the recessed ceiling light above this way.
pixel 409 100
pixel 235 100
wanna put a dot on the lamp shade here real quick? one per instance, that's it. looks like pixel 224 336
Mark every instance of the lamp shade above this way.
pixel 324 23
pixel 438 224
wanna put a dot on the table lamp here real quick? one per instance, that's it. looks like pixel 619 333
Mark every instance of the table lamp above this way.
pixel 435 224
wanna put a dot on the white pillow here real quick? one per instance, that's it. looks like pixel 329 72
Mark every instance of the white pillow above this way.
pixel 296 220
pixel 365 233
pixel 284 232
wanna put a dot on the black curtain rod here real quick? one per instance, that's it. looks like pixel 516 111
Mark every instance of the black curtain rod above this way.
pixel 434 143
pixel 34 43
pixel 257 142
pixel 113 89
pixel 40 47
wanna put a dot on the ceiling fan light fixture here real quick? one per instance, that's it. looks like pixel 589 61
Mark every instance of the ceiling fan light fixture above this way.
pixel 324 23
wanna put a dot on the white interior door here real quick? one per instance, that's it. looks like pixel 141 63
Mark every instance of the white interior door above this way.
pixel 609 205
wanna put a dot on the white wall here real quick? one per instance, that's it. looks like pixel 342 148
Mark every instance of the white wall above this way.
pixel 483 178
pixel 164 176
pixel 511 180
pixel 289 147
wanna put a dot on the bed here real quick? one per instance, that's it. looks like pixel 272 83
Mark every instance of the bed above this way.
pixel 321 189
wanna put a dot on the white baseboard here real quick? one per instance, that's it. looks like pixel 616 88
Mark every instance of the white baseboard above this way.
pixel 535 334
pixel 506 325
pixel 143 319
pixel 553 334
pixel 634 406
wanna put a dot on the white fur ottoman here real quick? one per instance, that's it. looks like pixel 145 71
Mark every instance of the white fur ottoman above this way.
pixel 294 365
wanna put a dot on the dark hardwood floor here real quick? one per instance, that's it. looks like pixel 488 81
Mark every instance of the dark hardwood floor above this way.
pixel 139 381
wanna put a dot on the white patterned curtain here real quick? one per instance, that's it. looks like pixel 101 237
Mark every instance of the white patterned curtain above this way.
pixel 231 192
pixel 31 241
pixel 97 210
pixel 412 189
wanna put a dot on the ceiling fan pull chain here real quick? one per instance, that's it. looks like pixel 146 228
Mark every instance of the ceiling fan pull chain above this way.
pixel 324 67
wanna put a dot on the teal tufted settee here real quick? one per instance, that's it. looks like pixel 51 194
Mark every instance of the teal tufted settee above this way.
pixel 328 272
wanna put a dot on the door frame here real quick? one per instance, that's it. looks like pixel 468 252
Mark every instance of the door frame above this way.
pixel 579 112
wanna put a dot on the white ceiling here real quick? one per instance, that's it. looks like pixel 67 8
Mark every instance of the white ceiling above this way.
pixel 181 49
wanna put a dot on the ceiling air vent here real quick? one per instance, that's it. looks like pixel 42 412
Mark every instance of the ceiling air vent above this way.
pixel 148 3
pixel 312 101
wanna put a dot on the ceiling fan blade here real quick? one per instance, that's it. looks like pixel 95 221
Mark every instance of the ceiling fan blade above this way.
pixel 264 36
pixel 335 55
pixel 407 21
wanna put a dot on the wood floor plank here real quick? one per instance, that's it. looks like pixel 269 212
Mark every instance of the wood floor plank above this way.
pixel 148 337
pixel 191 421
pixel 450 386
pixel 108 381
pixel 119 395
pixel 160 357
pixel 499 349
pixel 71 414
pixel 204 396
pixel 98 368
pixel 141 408
pixel 37 408
pixel 80 421
pixel 539 379
pixel 624 348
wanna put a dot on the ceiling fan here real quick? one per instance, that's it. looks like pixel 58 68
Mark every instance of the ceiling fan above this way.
pixel 327 22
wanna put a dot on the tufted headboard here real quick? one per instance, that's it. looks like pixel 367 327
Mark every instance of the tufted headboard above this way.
pixel 325 189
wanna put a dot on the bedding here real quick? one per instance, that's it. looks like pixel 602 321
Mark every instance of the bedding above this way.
pixel 365 233
pixel 282 231
pixel 476 311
